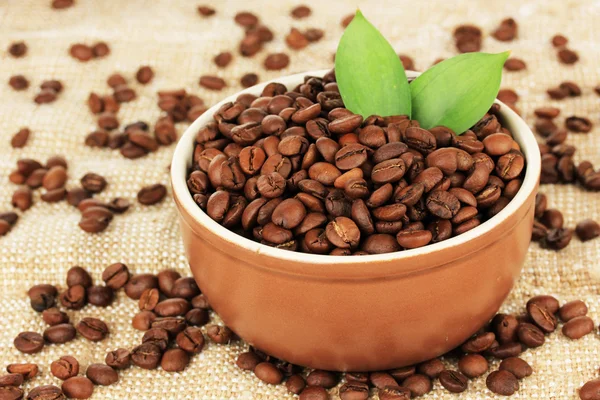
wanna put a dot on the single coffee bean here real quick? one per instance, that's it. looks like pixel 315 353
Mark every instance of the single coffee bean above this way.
pixel 79 276
pixel 138 283
pixel 153 194
pixel 53 316
pixel 118 359
pixel 28 370
pixel 590 390
pixel 549 303
pixel 61 333
pixel 74 298
pixel 313 393
pixel 268 373
pixel 174 360
pixel 146 356
pixel 431 368
pixel 322 378
pixel 197 317
pixel 191 340
pixel 46 391
pixel 394 392
pixel 64 368
pixel 78 387
pixel 578 327
pixel 115 276
pixel 173 325
pixel 185 288
pixel 157 336
pixel 587 229
pixel 343 233
pixel 516 366
pixel 29 342
pixel 353 390
pixel 100 296
pixel 249 360
pixel 42 297
pixel 473 365
pixel 507 350
pixel 149 299
pixel 381 379
pixel 572 309
pixel 219 334
pixel 92 329
pixel 454 381
pixel 542 318
pixel 418 384
pixel 101 374
pixel 169 307
pixel 294 384
pixel 502 382
pixel 143 320
pixel 166 280
pixel 11 380
pixel 530 335
pixel 505 327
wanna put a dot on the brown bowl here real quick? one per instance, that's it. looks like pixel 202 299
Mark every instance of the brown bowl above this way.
pixel 357 313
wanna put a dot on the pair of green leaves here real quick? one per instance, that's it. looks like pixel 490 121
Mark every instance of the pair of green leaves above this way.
pixel 455 93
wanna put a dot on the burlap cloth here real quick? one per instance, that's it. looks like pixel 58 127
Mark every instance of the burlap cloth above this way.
pixel 179 45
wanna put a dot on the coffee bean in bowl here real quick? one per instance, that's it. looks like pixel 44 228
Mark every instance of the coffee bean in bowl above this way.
pixel 308 175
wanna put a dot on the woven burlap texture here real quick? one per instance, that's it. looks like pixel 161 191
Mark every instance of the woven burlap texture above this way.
pixel 179 45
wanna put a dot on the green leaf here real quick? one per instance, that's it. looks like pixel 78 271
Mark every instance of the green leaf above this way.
pixel 369 73
pixel 457 92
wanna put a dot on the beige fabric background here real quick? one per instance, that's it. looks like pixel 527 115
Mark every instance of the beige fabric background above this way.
pixel 179 44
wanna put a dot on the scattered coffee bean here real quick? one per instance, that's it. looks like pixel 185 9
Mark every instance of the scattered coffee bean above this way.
pixel 46 391
pixel 559 40
pixel 301 11
pixel 53 316
pixel 206 11
pixel 567 56
pixel 101 374
pixel 515 64
pixel 61 333
pixel 587 229
pixel 507 31
pixel 150 195
pixel 502 382
pixel 174 360
pixel 29 342
pixel 322 378
pixel 118 359
pixel 10 380
pixel 268 373
pixel 144 74
pixel 431 368
pixel 467 38
pixel 100 49
pixel 64 368
pixel 572 309
pixel 473 365
pixel 454 381
pixel 92 329
pixel 78 387
pixel 18 82
pixel 146 356
pixel 143 320
pixel 276 61
pixel 516 366
pixel 116 275
pixel 295 384
pixel 418 384
pixel 578 327
pixel 42 296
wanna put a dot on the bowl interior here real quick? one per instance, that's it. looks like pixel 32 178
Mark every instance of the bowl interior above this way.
pixel 182 159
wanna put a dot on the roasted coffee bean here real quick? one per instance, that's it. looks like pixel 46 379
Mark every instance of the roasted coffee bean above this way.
pixel 418 384
pixel 65 367
pixel 61 333
pixel 381 379
pixel 92 329
pixel 100 296
pixel 93 183
pixel 174 360
pixel 22 199
pixel 322 378
pixel 191 340
pixel 590 390
pixel 46 391
pixel 502 382
pixel 11 380
pixel 248 80
pixel 29 342
pixel 166 308
pixel 578 327
pixel 17 49
pixel 530 335
pixel 505 327
pixel 28 370
pixel 394 392
pixel 314 393
pixel 516 366
pixel 53 316
pixel 343 233
pixel 479 343
pixel 572 309
pixel 294 384
pixel 185 288
pixel 149 299
pixel 454 381
pixel 567 56
pixel 473 365
pixel 268 373
pixel 157 336
pixel 153 194
pixel 431 368
pixel 443 204
pixel 219 334
pixel 249 360
pixel 514 64
pixel 276 61
pixel 505 350
pixel 146 356
pixel 558 239
pixel 42 297
pixel 138 283
pixel 166 280
pixel 115 276
pixel 548 303
pixel 354 390
pixel 118 359
pixel 545 320
pixel 587 229
pixel 101 374
pixel 78 387
pixel 74 298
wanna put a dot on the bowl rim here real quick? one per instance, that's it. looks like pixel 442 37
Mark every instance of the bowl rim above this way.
pixel 182 159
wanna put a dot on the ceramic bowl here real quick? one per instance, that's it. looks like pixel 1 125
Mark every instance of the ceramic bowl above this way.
pixel 357 313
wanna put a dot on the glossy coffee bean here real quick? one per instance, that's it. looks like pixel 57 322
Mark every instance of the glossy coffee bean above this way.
pixel 101 374
pixel 454 381
pixel 502 382
pixel 78 387
pixel 516 366
pixel 29 342
pixel 65 367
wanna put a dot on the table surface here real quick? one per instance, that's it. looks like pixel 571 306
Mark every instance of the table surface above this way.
pixel 179 45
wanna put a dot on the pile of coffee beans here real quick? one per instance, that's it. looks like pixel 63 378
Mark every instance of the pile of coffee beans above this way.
pixel 504 338
pixel 298 171
pixel 172 313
